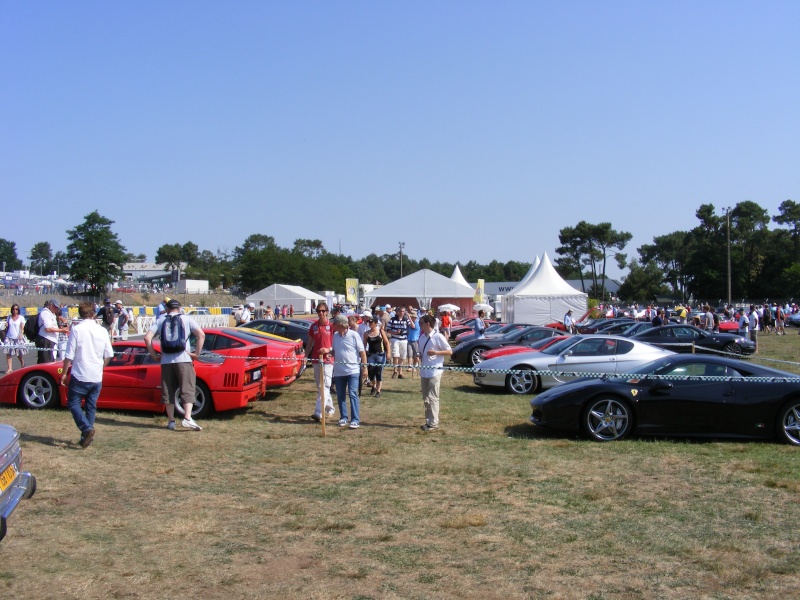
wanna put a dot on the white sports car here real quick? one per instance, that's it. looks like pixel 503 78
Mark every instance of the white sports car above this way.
pixel 570 358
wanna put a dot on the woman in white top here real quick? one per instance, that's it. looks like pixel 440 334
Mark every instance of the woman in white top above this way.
pixel 15 338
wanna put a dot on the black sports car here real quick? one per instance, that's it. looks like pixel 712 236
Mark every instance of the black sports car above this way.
pixel 471 353
pixel 625 328
pixel 688 394
pixel 687 338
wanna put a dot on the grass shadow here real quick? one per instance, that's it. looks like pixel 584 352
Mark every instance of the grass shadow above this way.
pixel 45 440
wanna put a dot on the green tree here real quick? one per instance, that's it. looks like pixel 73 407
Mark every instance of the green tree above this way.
pixel 8 255
pixel 95 252
pixel 643 283
pixel 309 248
pixel 790 216
pixel 41 255
pixel 670 253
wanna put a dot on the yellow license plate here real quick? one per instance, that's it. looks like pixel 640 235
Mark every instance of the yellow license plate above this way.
pixel 7 477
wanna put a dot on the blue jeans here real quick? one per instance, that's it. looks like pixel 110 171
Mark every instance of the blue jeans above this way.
pixel 347 384
pixel 77 391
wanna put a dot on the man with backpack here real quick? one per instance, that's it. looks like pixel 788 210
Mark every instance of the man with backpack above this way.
pixel 106 316
pixel 177 369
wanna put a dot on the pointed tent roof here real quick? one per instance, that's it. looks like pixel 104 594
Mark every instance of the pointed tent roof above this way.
pixel 458 277
pixel 424 283
pixel 534 265
pixel 285 293
pixel 546 282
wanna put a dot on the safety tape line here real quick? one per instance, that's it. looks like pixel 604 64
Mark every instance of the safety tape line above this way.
pixel 538 372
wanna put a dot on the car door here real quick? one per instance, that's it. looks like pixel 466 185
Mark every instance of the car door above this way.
pixel 590 355
pixel 131 380
pixel 688 404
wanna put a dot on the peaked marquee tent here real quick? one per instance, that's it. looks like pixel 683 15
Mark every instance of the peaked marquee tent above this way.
pixel 425 288
pixel 277 295
pixel 458 277
pixel 545 298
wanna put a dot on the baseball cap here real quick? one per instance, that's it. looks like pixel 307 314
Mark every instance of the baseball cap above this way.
pixel 118 302
pixel 366 313
pixel 52 301
pixel 251 305
pixel 174 304
pixel 340 320
pixel 107 301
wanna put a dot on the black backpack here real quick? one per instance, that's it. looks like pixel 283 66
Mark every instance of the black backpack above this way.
pixel 173 335
pixel 108 315
pixel 31 328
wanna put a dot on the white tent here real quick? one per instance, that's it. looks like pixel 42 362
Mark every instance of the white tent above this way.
pixel 545 298
pixel 292 295
pixel 427 287
pixel 524 281
pixel 458 277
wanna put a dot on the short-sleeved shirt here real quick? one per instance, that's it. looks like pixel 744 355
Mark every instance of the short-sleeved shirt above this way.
pixel 88 344
pixel 414 332
pixel 48 319
pixel 347 351
pixel 435 342
pixel 398 328
pixel 323 338
pixel 189 325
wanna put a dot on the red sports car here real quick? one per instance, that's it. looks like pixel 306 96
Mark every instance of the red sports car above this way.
pixel 534 346
pixel 285 359
pixel 132 381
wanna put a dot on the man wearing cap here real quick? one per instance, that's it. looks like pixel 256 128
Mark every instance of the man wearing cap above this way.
pixel 106 316
pixel 121 320
pixel 88 352
pixel 351 359
pixel 177 369
pixel 48 331
pixel 161 308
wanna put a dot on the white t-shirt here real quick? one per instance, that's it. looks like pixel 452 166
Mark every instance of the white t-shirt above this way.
pixel 347 351
pixel 189 325
pixel 88 344
pixel 48 319
pixel 15 327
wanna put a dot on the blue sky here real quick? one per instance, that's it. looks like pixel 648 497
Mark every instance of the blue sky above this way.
pixel 467 130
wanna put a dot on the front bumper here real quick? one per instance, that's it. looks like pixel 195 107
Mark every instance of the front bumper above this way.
pixel 24 487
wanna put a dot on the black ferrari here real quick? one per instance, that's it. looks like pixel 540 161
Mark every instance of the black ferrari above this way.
pixel 691 395
pixel 687 338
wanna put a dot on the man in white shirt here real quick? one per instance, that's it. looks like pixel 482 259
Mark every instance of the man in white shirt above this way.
pixel 754 326
pixel 48 331
pixel 433 347
pixel 350 359
pixel 88 352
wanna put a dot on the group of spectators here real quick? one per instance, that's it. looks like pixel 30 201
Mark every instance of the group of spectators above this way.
pixel 244 313
pixel 350 351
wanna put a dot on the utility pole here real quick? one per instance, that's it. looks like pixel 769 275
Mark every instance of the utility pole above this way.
pixel 728 220
pixel 402 245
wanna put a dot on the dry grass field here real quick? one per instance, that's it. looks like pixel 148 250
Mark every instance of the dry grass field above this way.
pixel 259 505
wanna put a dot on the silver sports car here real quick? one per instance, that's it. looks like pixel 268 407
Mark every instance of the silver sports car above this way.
pixel 531 372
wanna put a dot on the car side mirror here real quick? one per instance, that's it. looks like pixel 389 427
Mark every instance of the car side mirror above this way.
pixel 662 385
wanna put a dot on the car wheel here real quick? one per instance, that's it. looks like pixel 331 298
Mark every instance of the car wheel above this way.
pixel 733 348
pixel 789 423
pixel 476 355
pixel 522 381
pixel 607 419
pixel 38 390
pixel 203 403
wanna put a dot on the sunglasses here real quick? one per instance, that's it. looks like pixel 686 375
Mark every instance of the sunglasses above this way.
pixel 321 312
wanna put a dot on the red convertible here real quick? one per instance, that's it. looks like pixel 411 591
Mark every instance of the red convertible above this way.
pixel 132 381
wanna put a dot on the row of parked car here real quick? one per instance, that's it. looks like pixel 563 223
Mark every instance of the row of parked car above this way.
pixel 629 377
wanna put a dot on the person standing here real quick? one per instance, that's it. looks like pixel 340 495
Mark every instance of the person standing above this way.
pixel 122 320
pixel 376 344
pixel 260 312
pixel 320 340
pixel 246 314
pixel 397 330
pixel 14 344
pixel 754 326
pixel 48 331
pixel 569 323
pixel 446 323
pixel 350 360
pixel 177 368
pixel 106 316
pixel 433 348
pixel 412 350
pixel 88 352
pixel 479 327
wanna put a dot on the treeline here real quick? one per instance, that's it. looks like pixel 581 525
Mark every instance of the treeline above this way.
pixel 765 263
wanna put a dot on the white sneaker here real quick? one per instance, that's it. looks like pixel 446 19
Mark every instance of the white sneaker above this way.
pixel 342 422
pixel 330 411
pixel 190 424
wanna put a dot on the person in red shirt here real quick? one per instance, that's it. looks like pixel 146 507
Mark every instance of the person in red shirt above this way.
pixel 320 340
pixel 445 327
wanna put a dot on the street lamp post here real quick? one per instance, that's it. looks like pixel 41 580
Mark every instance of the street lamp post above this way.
pixel 402 245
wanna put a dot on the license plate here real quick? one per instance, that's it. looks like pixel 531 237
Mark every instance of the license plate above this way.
pixel 256 374
pixel 7 477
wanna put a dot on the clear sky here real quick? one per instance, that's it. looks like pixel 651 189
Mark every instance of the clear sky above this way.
pixel 468 130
